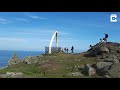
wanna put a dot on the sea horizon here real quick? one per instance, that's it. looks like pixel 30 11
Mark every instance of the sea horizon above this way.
pixel 5 55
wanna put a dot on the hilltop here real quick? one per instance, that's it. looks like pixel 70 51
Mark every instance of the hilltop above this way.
pixel 100 61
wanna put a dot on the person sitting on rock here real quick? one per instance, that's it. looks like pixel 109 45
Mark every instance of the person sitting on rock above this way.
pixel 102 40
pixel 90 46
pixel 106 36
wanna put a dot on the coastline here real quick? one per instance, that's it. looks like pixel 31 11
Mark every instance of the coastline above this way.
pixel 5 55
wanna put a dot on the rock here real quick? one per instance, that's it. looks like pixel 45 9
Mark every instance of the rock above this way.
pixel 103 65
pixel 33 60
pixel 112 56
pixel 111 60
pixel 104 48
pixel 27 60
pixel 115 71
pixel 78 60
pixel 98 49
pixel 107 76
pixel 88 70
pixel 91 71
pixel 75 74
pixel 12 75
pixel 14 60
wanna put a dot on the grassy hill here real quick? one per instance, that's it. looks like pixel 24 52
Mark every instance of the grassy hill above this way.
pixel 56 65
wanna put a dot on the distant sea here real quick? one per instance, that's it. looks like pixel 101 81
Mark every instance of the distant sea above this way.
pixel 5 55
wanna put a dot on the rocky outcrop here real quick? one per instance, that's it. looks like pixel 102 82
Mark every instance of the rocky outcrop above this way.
pixel 74 74
pixel 14 60
pixel 115 71
pixel 107 56
pixel 88 70
pixel 33 60
pixel 12 75
pixel 104 48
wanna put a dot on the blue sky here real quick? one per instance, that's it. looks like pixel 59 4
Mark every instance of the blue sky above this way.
pixel 33 30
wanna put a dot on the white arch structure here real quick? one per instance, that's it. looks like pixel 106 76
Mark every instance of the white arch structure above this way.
pixel 55 34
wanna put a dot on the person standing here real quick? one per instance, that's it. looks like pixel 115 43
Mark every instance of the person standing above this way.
pixel 67 50
pixel 72 49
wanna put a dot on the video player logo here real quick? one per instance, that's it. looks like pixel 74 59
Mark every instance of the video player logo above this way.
pixel 113 18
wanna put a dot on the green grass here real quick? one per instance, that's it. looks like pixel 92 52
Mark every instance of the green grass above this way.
pixel 61 65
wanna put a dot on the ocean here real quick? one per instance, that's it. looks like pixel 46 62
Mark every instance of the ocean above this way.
pixel 5 55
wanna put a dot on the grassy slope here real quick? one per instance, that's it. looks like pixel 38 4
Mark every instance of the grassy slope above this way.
pixel 58 66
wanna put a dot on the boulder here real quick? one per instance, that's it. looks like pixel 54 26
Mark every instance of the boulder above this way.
pixel 104 48
pixel 102 68
pixel 101 65
pixel 111 58
pixel 114 72
pixel 14 60
pixel 98 49
pixel 12 75
pixel 88 70
pixel 91 71
pixel 75 74
pixel 33 60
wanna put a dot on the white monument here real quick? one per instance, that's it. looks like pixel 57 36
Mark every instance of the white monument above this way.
pixel 55 34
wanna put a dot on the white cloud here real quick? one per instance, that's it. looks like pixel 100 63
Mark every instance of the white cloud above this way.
pixel 12 39
pixel 5 21
pixel 21 19
pixel 35 16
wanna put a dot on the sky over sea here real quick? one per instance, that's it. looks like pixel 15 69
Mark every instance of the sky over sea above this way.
pixel 33 30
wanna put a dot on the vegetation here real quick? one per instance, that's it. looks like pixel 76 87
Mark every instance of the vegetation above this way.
pixel 56 66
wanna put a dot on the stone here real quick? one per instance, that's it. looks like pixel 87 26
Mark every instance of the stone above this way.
pixel 14 60
pixel 112 56
pixel 114 72
pixel 91 71
pixel 75 74
pixel 88 70
pixel 33 60
pixel 111 60
pixel 103 64
pixel 12 75
pixel 103 67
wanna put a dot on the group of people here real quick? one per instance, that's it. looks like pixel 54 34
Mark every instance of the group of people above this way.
pixel 66 50
pixel 104 40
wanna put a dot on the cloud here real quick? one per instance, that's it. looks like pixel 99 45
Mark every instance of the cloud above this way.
pixel 35 16
pixel 5 21
pixel 12 39
pixel 21 19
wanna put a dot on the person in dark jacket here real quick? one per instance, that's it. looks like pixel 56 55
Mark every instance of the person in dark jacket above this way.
pixel 106 37
pixel 72 49
pixel 67 50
